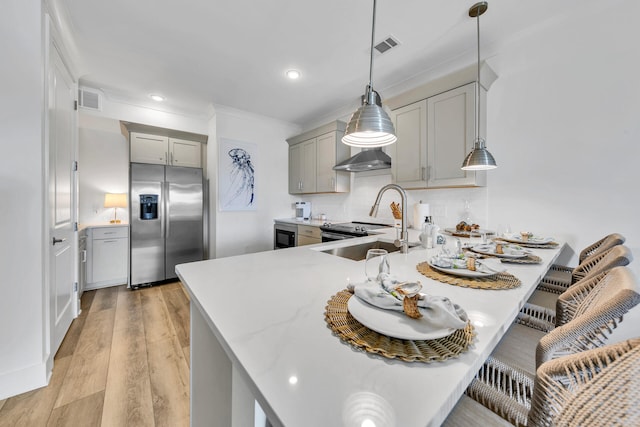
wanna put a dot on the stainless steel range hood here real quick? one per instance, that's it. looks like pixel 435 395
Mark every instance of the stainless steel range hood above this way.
pixel 366 160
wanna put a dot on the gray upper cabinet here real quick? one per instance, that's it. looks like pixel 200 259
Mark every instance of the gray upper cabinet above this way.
pixel 312 156
pixel 434 136
pixel 451 118
pixel 409 153
pixel 163 150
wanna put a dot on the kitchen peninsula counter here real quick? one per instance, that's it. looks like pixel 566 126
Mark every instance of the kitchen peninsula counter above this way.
pixel 258 331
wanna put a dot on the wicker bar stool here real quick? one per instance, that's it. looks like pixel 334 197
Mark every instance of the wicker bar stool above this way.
pixel 554 283
pixel 595 387
pixel 587 316
pixel 600 387
pixel 558 280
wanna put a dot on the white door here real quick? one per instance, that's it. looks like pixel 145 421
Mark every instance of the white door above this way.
pixel 61 120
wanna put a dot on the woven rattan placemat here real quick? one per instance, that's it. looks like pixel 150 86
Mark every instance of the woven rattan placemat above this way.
pixel 496 282
pixel 349 330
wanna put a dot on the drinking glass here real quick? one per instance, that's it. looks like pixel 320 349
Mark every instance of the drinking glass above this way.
pixel 376 263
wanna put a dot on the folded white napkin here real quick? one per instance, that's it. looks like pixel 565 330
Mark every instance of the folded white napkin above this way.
pixel 439 310
pixel 488 265
pixel 506 249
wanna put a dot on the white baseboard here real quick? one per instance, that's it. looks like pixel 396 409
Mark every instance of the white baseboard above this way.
pixel 24 380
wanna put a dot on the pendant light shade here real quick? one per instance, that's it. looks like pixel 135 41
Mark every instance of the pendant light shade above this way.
pixel 370 126
pixel 479 158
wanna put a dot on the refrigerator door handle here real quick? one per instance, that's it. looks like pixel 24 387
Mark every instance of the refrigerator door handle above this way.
pixel 163 207
pixel 167 204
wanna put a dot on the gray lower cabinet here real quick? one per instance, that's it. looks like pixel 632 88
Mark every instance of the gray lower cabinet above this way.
pixel 107 256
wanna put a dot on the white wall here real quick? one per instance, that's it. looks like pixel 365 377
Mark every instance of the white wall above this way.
pixel 563 124
pixel 243 232
pixel 103 168
pixel 22 306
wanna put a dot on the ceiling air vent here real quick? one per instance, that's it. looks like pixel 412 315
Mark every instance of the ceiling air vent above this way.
pixel 387 44
pixel 90 99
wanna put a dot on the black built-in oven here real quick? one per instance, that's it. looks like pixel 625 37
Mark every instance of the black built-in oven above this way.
pixel 284 236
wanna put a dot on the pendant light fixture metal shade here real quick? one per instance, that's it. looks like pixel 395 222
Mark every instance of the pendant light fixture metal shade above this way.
pixel 479 158
pixel 370 126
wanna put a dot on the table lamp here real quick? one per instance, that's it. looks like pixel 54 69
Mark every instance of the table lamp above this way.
pixel 115 201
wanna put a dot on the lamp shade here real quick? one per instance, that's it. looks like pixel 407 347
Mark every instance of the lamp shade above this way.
pixel 115 200
pixel 479 158
pixel 369 126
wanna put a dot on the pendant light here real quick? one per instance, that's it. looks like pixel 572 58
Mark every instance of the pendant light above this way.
pixel 479 158
pixel 370 126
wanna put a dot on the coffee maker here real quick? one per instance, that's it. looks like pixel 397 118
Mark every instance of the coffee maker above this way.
pixel 303 211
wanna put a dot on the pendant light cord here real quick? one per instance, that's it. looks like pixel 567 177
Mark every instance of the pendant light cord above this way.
pixel 478 77
pixel 373 32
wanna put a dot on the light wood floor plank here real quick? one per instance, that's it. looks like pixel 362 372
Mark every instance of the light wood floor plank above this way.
pixel 187 355
pixel 88 372
pixel 34 408
pixel 105 299
pixel 169 375
pixel 157 322
pixel 128 400
pixel 178 308
pixel 88 409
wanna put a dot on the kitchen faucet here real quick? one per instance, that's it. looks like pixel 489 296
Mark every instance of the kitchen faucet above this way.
pixel 403 243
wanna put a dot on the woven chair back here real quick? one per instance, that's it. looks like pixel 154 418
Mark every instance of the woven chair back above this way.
pixel 616 256
pixel 590 292
pixel 600 387
pixel 600 312
pixel 601 245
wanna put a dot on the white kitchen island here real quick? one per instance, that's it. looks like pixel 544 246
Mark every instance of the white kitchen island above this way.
pixel 258 332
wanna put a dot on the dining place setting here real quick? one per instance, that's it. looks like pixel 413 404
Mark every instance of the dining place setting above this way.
pixel 393 318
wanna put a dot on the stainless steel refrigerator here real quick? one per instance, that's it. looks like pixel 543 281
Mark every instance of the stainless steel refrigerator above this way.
pixel 166 220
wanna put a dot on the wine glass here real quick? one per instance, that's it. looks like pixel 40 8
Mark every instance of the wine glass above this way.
pixel 376 263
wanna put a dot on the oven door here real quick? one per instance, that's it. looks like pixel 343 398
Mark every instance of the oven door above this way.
pixel 328 236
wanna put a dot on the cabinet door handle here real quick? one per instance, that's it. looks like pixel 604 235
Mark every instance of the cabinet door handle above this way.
pixel 166 157
pixel 423 172
pixel 84 256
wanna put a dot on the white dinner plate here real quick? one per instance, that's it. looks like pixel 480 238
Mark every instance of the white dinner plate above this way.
pixel 531 241
pixel 490 250
pixel 462 272
pixel 395 323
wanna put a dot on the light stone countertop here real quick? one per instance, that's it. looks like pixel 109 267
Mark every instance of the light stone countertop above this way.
pixel 267 312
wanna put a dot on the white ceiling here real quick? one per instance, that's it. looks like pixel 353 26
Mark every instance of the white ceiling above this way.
pixel 199 53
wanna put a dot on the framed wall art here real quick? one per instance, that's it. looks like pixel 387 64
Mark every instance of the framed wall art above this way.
pixel 237 175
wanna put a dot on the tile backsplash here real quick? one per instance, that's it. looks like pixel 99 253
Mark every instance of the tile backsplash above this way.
pixel 447 205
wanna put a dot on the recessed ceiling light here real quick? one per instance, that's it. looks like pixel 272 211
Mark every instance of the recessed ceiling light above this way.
pixel 157 98
pixel 293 74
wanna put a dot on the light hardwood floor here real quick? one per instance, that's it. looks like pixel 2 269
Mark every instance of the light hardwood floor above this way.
pixel 124 362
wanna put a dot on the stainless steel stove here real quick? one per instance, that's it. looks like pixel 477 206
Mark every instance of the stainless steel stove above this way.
pixel 347 230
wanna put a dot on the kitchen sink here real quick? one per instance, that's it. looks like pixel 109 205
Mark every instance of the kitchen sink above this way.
pixel 358 252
